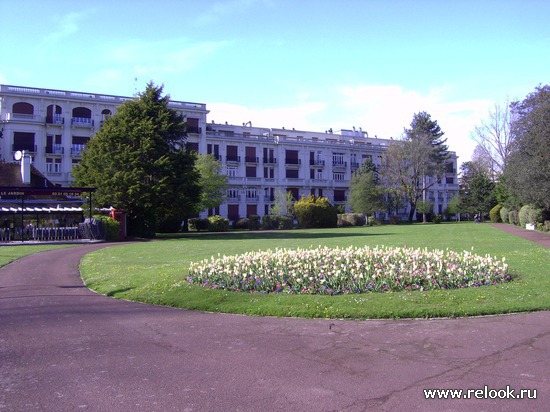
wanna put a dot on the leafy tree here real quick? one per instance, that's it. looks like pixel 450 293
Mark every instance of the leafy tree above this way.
pixel 283 204
pixel 138 163
pixel 527 169
pixel 366 194
pixel 213 184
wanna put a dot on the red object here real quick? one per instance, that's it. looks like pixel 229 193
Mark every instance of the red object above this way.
pixel 120 217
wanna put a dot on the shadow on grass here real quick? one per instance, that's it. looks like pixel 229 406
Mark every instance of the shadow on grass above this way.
pixel 283 234
pixel 112 293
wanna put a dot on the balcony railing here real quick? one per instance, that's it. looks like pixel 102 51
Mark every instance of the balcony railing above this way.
pixel 27 147
pixel 76 149
pixel 82 122
pixel 23 117
pixel 251 159
pixel 339 164
pixel 55 149
pixel 270 160
pixel 317 162
pixel 55 120
pixel 232 159
pixel 293 161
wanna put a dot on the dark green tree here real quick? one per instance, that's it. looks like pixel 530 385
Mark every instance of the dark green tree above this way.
pixel 527 167
pixel 138 163
pixel 477 189
pixel 426 132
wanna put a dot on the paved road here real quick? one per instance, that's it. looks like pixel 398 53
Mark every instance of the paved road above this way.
pixel 65 348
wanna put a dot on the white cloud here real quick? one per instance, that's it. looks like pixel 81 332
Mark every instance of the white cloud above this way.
pixel 66 25
pixel 224 9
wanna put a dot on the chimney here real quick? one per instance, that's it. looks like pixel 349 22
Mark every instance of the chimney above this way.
pixel 25 168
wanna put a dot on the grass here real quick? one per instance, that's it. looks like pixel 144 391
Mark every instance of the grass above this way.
pixel 10 253
pixel 148 271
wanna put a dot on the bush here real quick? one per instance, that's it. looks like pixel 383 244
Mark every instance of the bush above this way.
pixel 546 226
pixel 254 222
pixel 437 219
pixel 372 221
pixel 284 222
pixel 196 224
pixel 268 223
pixel 513 217
pixel 242 223
pixel 110 227
pixel 504 215
pixel 494 214
pixel 394 220
pixel 218 224
pixel 529 214
pixel 351 219
pixel 313 212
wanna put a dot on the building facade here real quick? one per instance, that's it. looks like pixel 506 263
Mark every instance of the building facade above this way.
pixel 54 127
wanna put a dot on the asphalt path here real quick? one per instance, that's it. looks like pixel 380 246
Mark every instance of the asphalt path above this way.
pixel 66 348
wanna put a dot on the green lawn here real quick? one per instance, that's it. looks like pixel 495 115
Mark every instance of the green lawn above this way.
pixel 155 272
pixel 10 253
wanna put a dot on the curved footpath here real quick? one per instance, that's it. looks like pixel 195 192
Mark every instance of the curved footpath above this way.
pixel 65 348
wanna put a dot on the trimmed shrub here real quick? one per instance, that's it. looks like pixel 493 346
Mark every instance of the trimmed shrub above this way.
pixel 218 224
pixel 285 222
pixel 372 221
pixel 529 214
pixel 268 223
pixel 242 223
pixel 494 214
pixel 196 224
pixel 546 226
pixel 254 222
pixel 351 219
pixel 513 217
pixel 313 212
pixel 504 215
pixel 437 219
pixel 394 220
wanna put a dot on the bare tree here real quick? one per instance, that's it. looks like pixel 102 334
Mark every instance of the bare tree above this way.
pixel 494 138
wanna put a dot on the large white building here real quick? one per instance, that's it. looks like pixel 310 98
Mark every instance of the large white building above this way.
pixel 55 125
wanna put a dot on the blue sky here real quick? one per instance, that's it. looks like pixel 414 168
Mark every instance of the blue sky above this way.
pixel 311 65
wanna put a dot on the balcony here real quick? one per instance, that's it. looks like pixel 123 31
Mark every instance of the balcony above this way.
pixel 339 164
pixel 56 149
pixel 82 122
pixel 317 163
pixel 269 160
pixel 251 159
pixel 30 148
pixel 22 117
pixel 252 199
pixel 355 165
pixel 232 159
pixel 55 120
pixel 293 162
pixel 77 149
pixel 194 129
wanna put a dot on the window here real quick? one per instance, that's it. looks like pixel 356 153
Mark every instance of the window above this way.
pixel 79 142
pixel 338 159
pixel 23 141
pixel 312 173
pixel 192 125
pixel 53 165
pixel 269 172
pixel 292 157
pixel 250 154
pixel 23 108
pixel 232 153
pixel 53 144
pixel 339 195
pixel 213 149
pixel 192 147
pixel 269 155
pixel 292 173
pixel 233 194
pixel 251 210
pixel 53 114
pixel 339 176
pixel 233 212
pixel 295 192
pixel 450 180
pixel 250 171
pixel 231 171
pixel 251 194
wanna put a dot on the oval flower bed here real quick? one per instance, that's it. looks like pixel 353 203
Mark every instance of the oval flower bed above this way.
pixel 352 270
